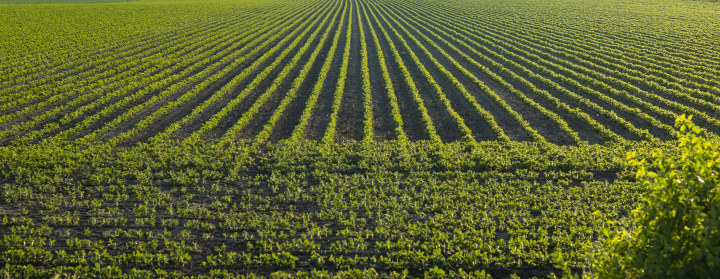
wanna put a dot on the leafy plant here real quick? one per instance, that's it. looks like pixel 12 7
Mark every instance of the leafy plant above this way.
pixel 677 224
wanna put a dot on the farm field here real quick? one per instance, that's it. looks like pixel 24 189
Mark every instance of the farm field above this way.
pixel 357 138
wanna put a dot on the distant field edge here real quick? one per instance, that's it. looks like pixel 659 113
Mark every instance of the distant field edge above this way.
pixel 34 2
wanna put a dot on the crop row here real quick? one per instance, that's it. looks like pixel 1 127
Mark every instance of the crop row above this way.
pixel 119 87
pixel 239 77
pixel 242 75
pixel 301 206
pixel 151 83
pixel 317 88
pixel 592 56
pixel 202 78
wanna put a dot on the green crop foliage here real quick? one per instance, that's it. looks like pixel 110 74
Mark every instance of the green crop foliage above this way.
pixel 355 138
pixel 676 225
pixel 390 206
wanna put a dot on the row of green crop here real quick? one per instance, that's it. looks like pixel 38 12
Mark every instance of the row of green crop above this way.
pixel 574 78
pixel 489 119
pixel 299 129
pixel 696 71
pixel 232 84
pixel 165 75
pixel 676 51
pixel 635 52
pixel 504 84
pixel 516 78
pixel 459 121
pixel 24 73
pixel 560 89
pixel 47 59
pixel 366 86
pixel 597 84
pixel 102 66
pixel 491 23
pixel 169 82
pixel 587 59
pixel 63 63
pixel 117 89
pixel 282 76
pixel 664 73
pixel 427 121
pixel 301 78
pixel 643 134
pixel 389 88
pixel 162 64
pixel 529 101
pixel 188 95
pixel 611 52
pixel 226 60
pixel 479 84
pixel 329 134
pixel 659 81
pixel 78 86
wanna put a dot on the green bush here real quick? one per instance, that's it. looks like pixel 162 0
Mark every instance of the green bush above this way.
pixel 676 231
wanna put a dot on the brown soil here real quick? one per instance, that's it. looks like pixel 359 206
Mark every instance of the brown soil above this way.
pixel 351 115
pixel 383 122
pixel 320 115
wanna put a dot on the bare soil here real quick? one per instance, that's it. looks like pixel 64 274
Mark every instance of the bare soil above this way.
pixel 351 116
pixel 383 122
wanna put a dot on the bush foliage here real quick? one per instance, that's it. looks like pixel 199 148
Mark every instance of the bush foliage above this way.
pixel 676 231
